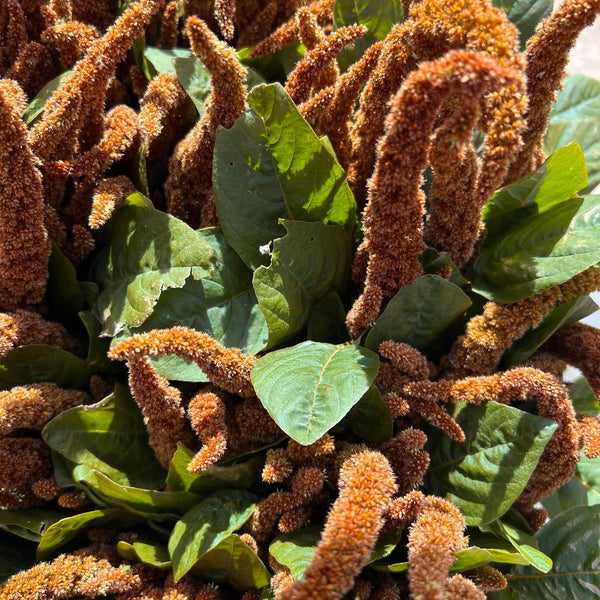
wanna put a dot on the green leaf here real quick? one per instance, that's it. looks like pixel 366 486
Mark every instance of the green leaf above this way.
pixel 433 262
pixel 147 503
pixel 206 525
pixel 194 79
pixel 413 315
pixel 163 60
pixel 576 118
pixel 310 261
pixel 487 472
pixel 234 562
pixel 560 317
pixel 327 321
pixel 370 419
pixel 583 398
pixel 223 305
pixel 470 558
pixel 39 362
pixel 235 473
pixel 525 14
pixel 30 523
pixel 63 531
pixel 148 554
pixel 15 555
pixel 109 436
pixel 38 104
pixel 523 543
pixel 378 17
pixel 583 489
pixel 98 346
pixel 539 233
pixel 148 252
pixel 63 294
pixel 309 388
pixel 269 166
pixel 572 539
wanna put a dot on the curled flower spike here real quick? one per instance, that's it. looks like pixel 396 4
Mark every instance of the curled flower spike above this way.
pixel 23 461
pixel 403 510
pixel 250 425
pixel 268 512
pixel 32 406
pixel 432 541
pixel 366 484
pixel 169 27
pixel 309 32
pixel 488 579
pixel 109 193
pixel 206 411
pixel 288 32
pixel 589 434
pixel 546 57
pixel 434 28
pixel 393 217
pixel 161 408
pixel 406 359
pixel 408 458
pixel 314 71
pixel 190 168
pixel 225 15
pixel 24 245
pixel 14 37
pixel 278 466
pixel 490 334
pixel 23 327
pixel 461 588
pixel 70 576
pixel 79 102
pixel 331 109
pixel 227 368
pixel 71 40
pixel 579 346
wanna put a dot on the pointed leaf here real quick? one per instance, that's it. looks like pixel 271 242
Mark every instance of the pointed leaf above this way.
pixel 63 294
pixel 148 554
pixel 148 252
pixel 38 104
pixel 206 525
pixel 271 165
pixel 310 261
pixel 310 387
pixel 576 118
pixel 525 14
pixel 370 418
pixel 413 315
pixel 30 523
pixel 485 474
pixel 109 436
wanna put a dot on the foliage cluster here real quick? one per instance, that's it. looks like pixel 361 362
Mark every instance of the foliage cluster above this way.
pixel 289 290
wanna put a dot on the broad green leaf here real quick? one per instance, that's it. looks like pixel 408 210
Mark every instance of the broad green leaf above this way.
pixel 487 472
pixel 539 233
pixel 501 550
pixel 39 362
pixel 575 117
pixel 148 554
pixel 109 436
pixel 370 419
pixel 63 294
pixel 310 261
pixel 98 346
pixel 226 474
pixel 63 531
pixel 143 502
pixel 413 315
pixel 194 79
pixel 15 555
pixel 523 543
pixel 148 252
pixel 525 14
pixel 234 562
pixel 163 60
pixel 269 166
pixel 206 525
pixel 433 262
pixel 468 558
pixel 583 398
pixel 560 317
pixel 223 305
pixel 583 489
pixel 309 388
pixel 327 321
pixel 572 540
pixel 29 523
pixel 378 17
pixel 558 179
pixel 38 104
